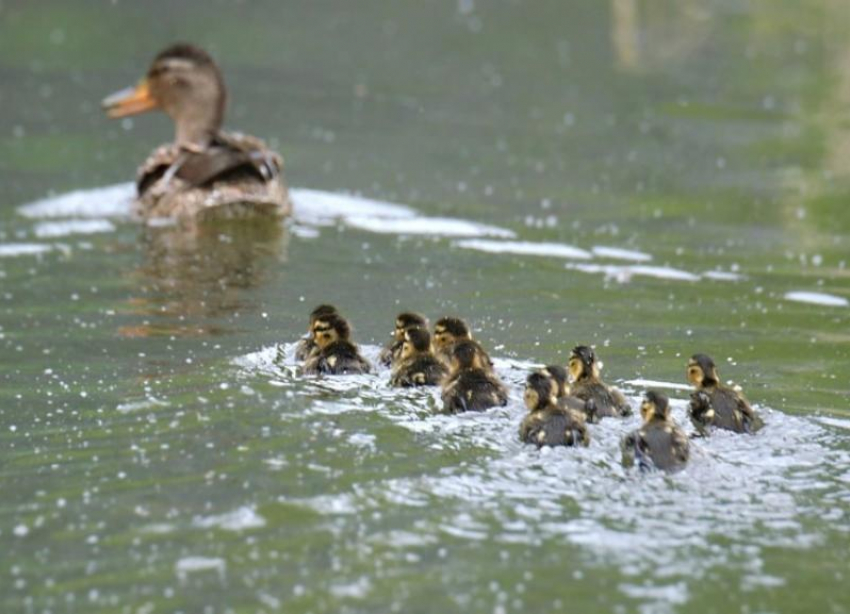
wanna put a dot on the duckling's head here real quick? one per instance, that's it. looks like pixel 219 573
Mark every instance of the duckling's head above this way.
pixel 559 376
pixel 655 406
pixel 407 320
pixel 702 372
pixel 539 391
pixel 417 340
pixel 465 355
pixel 185 83
pixel 448 331
pixel 328 329
pixel 583 363
pixel 322 311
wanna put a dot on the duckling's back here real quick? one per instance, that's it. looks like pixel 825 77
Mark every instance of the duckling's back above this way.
pixel 338 358
pixel 421 371
pixel 602 401
pixel 554 426
pixel 473 390
pixel 658 445
pixel 730 411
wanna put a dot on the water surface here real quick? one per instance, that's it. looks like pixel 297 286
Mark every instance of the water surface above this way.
pixel 654 178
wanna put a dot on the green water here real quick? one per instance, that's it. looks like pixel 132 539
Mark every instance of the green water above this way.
pixel 153 459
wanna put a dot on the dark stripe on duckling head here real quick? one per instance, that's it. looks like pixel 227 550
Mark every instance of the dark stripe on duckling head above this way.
pixel 543 386
pixel 455 326
pixel 323 310
pixel 559 376
pixel 709 369
pixel 465 354
pixel 408 319
pixel 655 405
pixel 419 338
pixel 585 354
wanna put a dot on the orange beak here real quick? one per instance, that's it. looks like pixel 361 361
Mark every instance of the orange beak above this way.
pixel 130 101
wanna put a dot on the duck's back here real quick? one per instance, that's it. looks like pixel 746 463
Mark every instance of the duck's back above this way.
pixel 338 358
pixel 666 445
pixel 473 390
pixel 732 412
pixel 421 371
pixel 235 176
pixel 554 427
pixel 601 400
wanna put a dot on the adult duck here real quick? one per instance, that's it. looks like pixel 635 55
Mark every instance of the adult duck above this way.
pixel 205 172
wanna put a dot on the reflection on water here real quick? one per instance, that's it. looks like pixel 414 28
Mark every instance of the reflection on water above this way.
pixel 202 272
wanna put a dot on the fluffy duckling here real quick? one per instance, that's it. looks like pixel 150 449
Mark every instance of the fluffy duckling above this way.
pixel 659 443
pixel 563 394
pixel 713 404
pixel 307 344
pixel 450 331
pixel 391 353
pixel 335 354
pixel 206 171
pixel 469 386
pixel 416 364
pixel 602 400
pixel 548 423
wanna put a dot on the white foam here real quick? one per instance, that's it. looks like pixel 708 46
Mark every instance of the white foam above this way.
pixel 191 564
pixel 238 520
pixel 45 230
pixel 109 201
pixel 526 248
pixel 314 206
pixel 354 590
pixel 618 253
pixel 132 406
pixel 722 276
pixel 817 298
pixel 651 383
pixel 438 226
pixel 12 250
pixel 624 274
pixel 840 423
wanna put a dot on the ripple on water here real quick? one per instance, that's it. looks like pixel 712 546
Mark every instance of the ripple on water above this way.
pixel 650 526
pixel 817 298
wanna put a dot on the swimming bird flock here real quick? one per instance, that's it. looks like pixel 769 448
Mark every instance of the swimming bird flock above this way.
pixel 207 172
pixel 561 401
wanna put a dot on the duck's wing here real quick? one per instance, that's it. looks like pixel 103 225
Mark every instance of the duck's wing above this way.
pixel 681 445
pixel 700 411
pixel 228 156
pixel 752 422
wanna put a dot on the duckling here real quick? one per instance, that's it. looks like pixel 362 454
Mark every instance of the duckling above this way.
pixel 469 386
pixel 563 393
pixel 416 364
pixel 335 354
pixel 391 353
pixel 205 172
pixel 713 404
pixel 548 423
pixel 450 331
pixel 307 344
pixel 659 443
pixel 602 400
